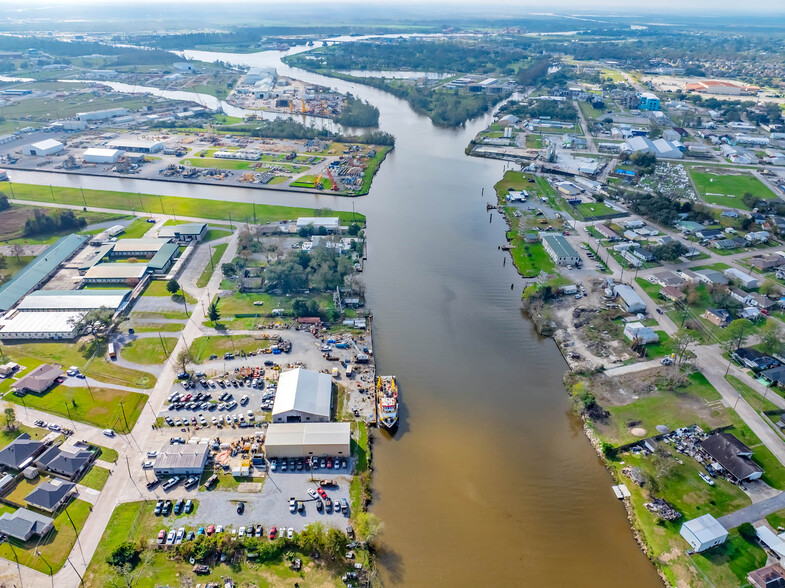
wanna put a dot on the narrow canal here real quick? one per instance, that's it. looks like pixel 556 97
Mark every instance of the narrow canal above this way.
pixel 489 480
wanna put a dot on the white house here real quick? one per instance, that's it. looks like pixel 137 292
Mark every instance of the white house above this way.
pixel 704 532
pixel 636 330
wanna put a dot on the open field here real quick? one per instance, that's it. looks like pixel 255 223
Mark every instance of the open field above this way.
pixel 134 521
pixel 203 347
pixel 96 478
pixel 151 350
pixel 727 190
pixel 191 207
pixel 215 259
pixel 12 222
pixel 89 359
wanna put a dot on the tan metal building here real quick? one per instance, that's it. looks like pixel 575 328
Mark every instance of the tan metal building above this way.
pixel 308 439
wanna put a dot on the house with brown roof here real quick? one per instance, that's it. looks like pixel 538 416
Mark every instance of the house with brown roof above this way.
pixel 772 576
pixel 38 381
pixel 672 293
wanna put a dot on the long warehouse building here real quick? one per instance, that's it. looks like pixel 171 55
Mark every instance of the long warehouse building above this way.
pixel 308 439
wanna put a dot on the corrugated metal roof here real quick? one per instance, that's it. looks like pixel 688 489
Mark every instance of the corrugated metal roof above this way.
pixel 132 245
pixel 305 391
pixel 34 272
pixel 117 270
pixel 73 299
pixel 181 456
pixel 40 322
pixel 163 256
pixel 287 434
pixel 184 229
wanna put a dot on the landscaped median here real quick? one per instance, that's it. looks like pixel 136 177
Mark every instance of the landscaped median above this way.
pixel 190 207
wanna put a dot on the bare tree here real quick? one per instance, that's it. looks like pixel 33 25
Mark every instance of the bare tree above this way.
pixel 17 249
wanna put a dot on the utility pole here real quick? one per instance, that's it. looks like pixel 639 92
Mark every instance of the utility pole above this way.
pixel 79 543
pixel 69 415
pixel 81 579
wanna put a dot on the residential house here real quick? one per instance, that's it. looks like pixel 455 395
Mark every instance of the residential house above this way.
pixel 757 236
pixel 740 296
pixel 21 452
pixel 767 262
pixel 689 276
pixel 750 313
pixel 672 293
pixel 772 576
pixel 754 359
pixel 67 463
pixel 761 301
pixel 51 495
pixel 717 316
pixel 732 455
pixel 22 524
pixel 730 213
pixel 775 376
pixel 724 244
pixel 708 234
pixel 709 276
pixel 38 381
pixel 668 278
pixel 636 330
pixel 745 280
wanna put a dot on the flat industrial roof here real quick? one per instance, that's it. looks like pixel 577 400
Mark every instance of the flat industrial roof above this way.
pixel 100 152
pixel 181 456
pixel 184 229
pixel 308 434
pixel 132 142
pixel 47 144
pixel 131 245
pixel 40 322
pixel 34 272
pixel 117 270
pixel 73 300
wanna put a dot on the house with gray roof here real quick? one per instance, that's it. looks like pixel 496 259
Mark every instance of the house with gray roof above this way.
pixel 20 452
pixel 37 381
pixel 69 464
pixel 22 524
pixel 51 495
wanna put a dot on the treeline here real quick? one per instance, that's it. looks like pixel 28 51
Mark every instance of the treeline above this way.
pixel 73 49
pixel 42 223
pixel 561 111
pixel 357 113
pixel 664 210
pixel 287 128
pixel 465 56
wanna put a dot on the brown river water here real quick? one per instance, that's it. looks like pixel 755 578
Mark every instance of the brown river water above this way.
pixel 489 479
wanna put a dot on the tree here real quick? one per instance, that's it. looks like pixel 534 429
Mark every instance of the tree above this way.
pixel 17 249
pixel 335 542
pixel 369 526
pixel 212 311
pixel 3 262
pixel 10 418
pixel 184 358
pixel 125 553
pixel 172 286
pixel 353 230
pixel 96 322
pixel 683 340
pixel 736 333
pixel 312 538
pixel 772 337
pixel 769 288
pixel 747 531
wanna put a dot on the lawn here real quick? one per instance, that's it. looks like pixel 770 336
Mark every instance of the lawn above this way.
pixel 148 351
pixel 191 207
pixel 756 400
pixel 729 563
pixel 203 347
pixel 107 453
pixel 99 407
pixel 653 290
pixel 158 288
pixel 592 210
pixel 665 346
pixel 213 234
pixel 727 190
pixel 531 258
pixel 696 403
pixel 6 435
pixel 156 327
pixel 215 260
pixel 309 181
pixel 534 141
pixel 226 481
pixel 134 521
pixel 55 546
pixel 136 230
pixel 94 365
pixel 233 164
pixel 96 478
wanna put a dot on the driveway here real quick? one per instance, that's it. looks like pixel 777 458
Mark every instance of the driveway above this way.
pixel 754 512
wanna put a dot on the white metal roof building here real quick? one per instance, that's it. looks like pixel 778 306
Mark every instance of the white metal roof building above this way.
pixel 746 280
pixel 303 396
pixel 136 247
pixel 44 148
pixel 136 145
pixel 73 300
pixel 113 273
pixel 630 299
pixel 304 439
pixel 98 155
pixel 40 325
pixel 704 532
pixel 181 460
pixel 331 223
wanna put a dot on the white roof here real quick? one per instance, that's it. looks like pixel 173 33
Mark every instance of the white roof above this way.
pixel 705 528
pixel 288 434
pixel 39 322
pixel 131 245
pixel 772 541
pixel 73 300
pixel 304 391
pixel 46 144
pixel 117 270
pixel 133 142
pixel 99 152
pixel 328 221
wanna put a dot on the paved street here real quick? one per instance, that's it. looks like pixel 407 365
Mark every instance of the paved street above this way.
pixel 753 512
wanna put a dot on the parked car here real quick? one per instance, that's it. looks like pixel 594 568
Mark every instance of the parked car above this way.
pixel 158 507
pixel 259 530
pixel 210 530
pixel 289 532
pixel 273 531
pixel 189 506
pixel 161 536
pixel 241 508
pixel 292 505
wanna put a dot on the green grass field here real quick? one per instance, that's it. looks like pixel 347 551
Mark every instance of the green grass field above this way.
pixel 96 478
pixel 590 210
pixel 148 351
pixel 215 260
pixel 728 190
pixel 203 347
pixel 82 355
pixel 136 230
pixel 191 207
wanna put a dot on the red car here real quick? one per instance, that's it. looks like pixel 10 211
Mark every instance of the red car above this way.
pixel 161 536
pixel 210 530
pixel 321 492
pixel 329 462
pixel 273 532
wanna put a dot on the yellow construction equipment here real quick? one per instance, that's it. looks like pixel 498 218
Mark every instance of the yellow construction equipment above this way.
pixel 302 105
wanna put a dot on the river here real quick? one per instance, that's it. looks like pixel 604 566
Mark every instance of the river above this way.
pixel 489 479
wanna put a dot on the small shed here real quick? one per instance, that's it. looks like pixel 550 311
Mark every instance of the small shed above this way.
pixel 704 533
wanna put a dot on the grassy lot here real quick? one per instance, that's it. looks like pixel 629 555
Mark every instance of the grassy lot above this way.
pixel 107 453
pixel 696 403
pixel 203 347
pixel 213 234
pixel 534 141
pixel 309 181
pixel 590 210
pixel 156 327
pixel 373 166
pixel 94 365
pixel 665 346
pixel 6 435
pixel 96 478
pixel 143 315
pixel 653 290
pixel 243 303
pixel 226 481
pixel 215 260
pixel 158 288
pixel 192 207
pixel 148 351
pixel 12 223
pixel 728 190
pixel 96 406
pixel 756 400
pixel 219 163
pixel 136 230
pixel 134 521
pixel 55 546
